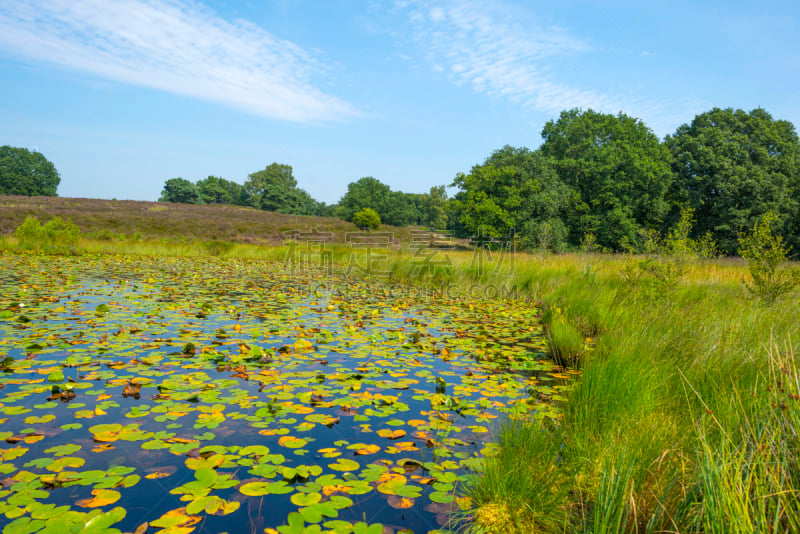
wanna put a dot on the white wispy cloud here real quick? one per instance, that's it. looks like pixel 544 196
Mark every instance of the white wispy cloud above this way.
pixel 176 46
pixel 502 51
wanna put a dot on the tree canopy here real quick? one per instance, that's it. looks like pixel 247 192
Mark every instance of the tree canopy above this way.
pixel 23 172
pixel 618 170
pixel 367 192
pixel 275 189
pixel 179 190
pixel 732 167
pixel 433 208
pixel 216 190
pixel 514 188
pixel 272 188
pixel 394 207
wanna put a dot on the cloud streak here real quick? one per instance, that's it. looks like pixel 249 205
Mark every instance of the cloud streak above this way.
pixel 176 46
pixel 502 51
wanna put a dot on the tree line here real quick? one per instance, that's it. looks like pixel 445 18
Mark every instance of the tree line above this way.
pixel 275 189
pixel 596 181
pixel 608 181
pixel 271 189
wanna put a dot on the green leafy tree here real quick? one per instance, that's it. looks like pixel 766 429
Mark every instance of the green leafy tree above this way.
pixel 304 204
pixel 732 167
pixel 321 209
pixel 275 189
pixel 484 207
pixel 179 190
pixel 367 192
pixel 277 198
pixel 23 172
pixel 272 188
pixel 367 218
pixel 515 188
pixel 394 207
pixel 401 209
pixel 765 253
pixel 433 208
pixel 618 171
pixel 216 190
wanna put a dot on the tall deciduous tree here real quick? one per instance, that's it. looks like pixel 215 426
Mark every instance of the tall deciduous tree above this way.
pixel 179 190
pixel 272 188
pixel 275 189
pixel 433 208
pixel 23 172
pixel 618 170
pixel 367 192
pixel 732 167
pixel 401 210
pixel 393 207
pixel 515 188
pixel 216 190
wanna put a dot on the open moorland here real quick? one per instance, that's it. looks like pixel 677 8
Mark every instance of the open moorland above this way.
pixel 134 220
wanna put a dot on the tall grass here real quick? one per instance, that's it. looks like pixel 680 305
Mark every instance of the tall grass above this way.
pixel 684 418
pixel 520 496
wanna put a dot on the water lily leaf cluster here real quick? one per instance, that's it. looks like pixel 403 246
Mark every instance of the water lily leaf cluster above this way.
pixel 212 395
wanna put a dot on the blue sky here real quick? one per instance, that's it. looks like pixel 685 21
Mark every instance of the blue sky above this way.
pixel 122 95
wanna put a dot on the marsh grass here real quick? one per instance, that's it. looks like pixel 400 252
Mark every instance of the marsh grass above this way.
pixel 674 425
pixel 567 344
pixel 749 451
pixel 521 488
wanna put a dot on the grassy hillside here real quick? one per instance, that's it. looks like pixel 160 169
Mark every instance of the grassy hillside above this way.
pixel 132 219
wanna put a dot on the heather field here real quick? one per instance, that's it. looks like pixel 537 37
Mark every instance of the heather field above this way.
pixel 133 220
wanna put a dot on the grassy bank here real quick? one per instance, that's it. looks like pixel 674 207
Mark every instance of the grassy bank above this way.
pixel 686 414
pixel 685 417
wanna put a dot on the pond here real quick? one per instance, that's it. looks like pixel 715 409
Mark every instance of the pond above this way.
pixel 212 395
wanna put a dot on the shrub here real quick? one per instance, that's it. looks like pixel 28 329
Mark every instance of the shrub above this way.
pixel 56 235
pixel 655 277
pixel 668 260
pixel 589 243
pixel 29 232
pixel 766 260
pixel 679 245
pixel 367 218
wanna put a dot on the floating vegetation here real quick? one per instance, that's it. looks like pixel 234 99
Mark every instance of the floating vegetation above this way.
pixel 176 396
